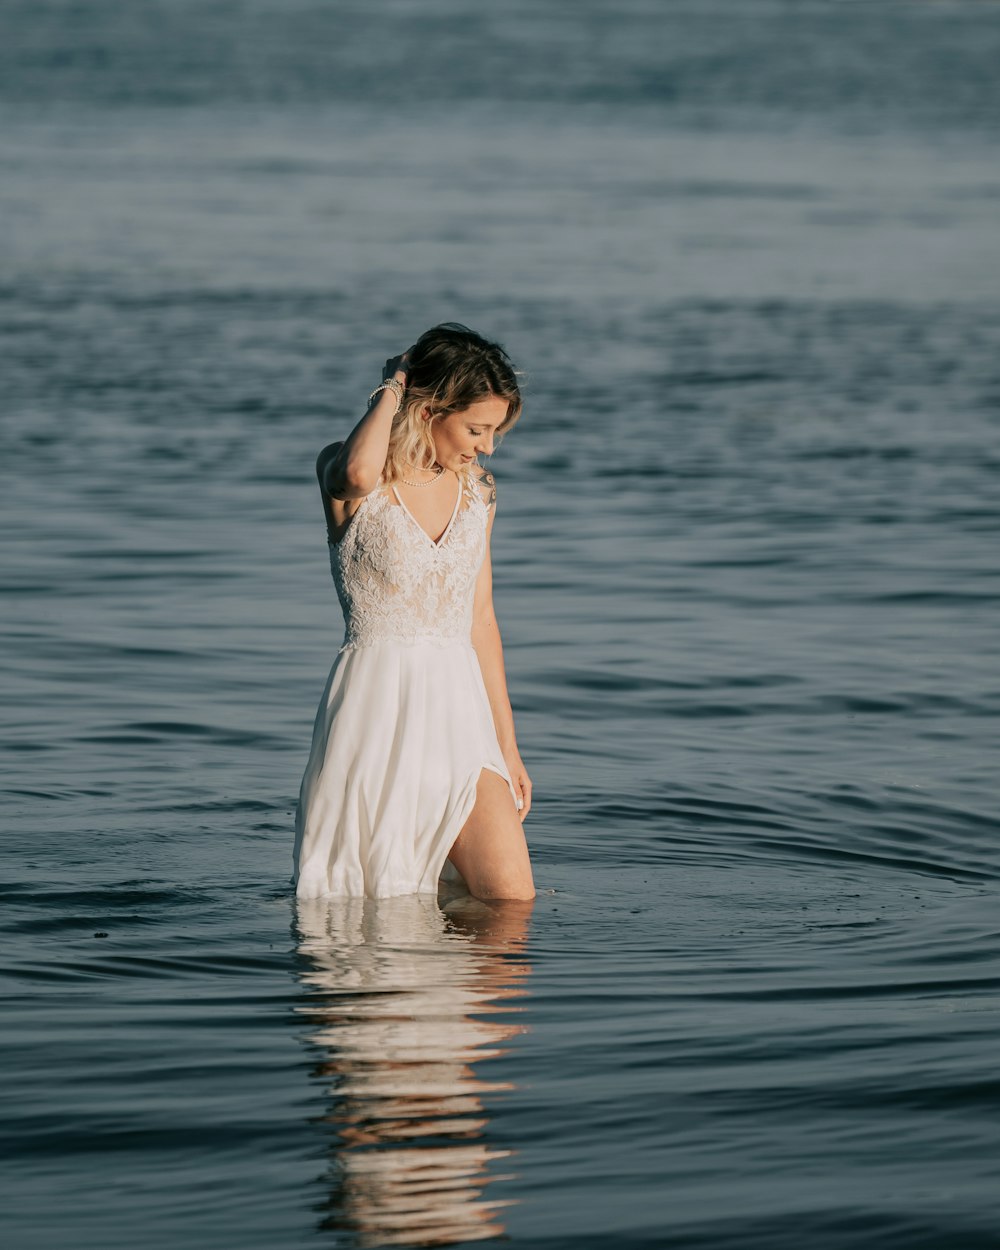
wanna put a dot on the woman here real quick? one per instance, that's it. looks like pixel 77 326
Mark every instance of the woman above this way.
pixel 414 762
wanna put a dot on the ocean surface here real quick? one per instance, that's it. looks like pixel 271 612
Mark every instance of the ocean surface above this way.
pixel 747 255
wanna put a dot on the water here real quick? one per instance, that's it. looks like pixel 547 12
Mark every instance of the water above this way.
pixel 745 566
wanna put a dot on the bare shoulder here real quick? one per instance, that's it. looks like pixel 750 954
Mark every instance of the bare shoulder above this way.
pixel 324 458
pixel 338 512
pixel 487 484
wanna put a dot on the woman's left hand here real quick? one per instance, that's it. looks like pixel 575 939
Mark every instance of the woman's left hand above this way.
pixel 521 780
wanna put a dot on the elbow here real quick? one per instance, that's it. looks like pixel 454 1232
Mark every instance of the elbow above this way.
pixel 344 480
pixel 358 481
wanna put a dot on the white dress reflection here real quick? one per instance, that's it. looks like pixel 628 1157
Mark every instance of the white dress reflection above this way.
pixel 405 1001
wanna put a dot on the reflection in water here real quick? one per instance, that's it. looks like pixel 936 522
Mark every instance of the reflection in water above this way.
pixel 406 999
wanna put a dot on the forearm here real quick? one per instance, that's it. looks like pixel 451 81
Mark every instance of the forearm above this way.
pixel 362 456
pixel 354 469
pixel 489 648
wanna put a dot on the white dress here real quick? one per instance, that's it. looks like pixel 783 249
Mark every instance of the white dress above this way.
pixel 404 726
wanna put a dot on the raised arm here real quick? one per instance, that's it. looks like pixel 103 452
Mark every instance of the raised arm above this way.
pixel 350 470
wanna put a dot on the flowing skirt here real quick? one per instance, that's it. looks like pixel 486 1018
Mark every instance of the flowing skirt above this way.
pixel 402 734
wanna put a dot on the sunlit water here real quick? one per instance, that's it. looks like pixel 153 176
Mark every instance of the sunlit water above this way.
pixel 745 565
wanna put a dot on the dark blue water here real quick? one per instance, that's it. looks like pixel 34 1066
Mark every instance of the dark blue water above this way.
pixel 745 562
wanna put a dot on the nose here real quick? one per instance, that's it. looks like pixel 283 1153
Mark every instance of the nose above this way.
pixel 485 445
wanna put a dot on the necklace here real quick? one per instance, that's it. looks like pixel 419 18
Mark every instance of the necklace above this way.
pixel 429 480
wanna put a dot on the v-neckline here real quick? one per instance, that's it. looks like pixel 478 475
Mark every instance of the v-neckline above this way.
pixel 447 531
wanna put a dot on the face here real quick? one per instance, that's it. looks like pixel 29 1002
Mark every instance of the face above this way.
pixel 462 436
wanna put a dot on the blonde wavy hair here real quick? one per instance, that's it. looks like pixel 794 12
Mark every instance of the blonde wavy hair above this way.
pixel 450 368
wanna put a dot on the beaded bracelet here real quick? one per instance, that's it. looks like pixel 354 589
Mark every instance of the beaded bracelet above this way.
pixel 390 384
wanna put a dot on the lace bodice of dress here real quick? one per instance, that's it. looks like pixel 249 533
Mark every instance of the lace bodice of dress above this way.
pixel 396 584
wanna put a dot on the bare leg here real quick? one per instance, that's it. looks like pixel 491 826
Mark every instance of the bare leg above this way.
pixel 490 852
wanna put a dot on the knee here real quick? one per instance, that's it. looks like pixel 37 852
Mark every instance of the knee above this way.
pixel 507 889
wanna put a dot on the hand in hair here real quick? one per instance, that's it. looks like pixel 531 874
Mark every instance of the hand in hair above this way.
pixel 396 365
